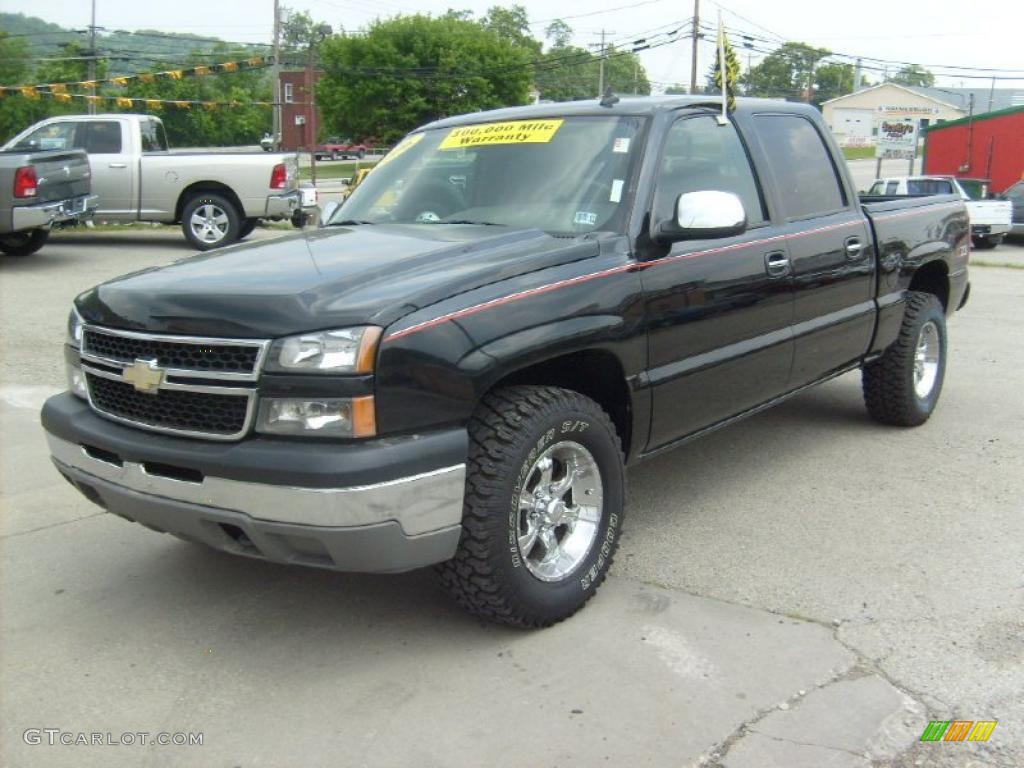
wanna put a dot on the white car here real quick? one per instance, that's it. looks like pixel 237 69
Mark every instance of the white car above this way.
pixel 990 219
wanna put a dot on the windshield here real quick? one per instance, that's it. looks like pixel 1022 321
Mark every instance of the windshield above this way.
pixel 564 175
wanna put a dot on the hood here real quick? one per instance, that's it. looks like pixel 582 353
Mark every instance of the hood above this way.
pixel 330 278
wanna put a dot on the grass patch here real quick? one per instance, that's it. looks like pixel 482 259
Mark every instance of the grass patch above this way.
pixel 329 170
pixel 1001 264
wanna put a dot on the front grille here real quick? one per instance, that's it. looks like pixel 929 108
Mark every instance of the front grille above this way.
pixel 171 409
pixel 189 356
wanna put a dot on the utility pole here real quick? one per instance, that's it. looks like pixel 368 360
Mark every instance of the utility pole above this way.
pixel 92 59
pixel 992 94
pixel 600 68
pixel 696 33
pixel 277 76
pixel 858 76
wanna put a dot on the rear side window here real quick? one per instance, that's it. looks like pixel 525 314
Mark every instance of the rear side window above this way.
pixel 153 138
pixel 701 155
pixel 892 187
pixel 1016 192
pixel 929 187
pixel 100 137
pixel 808 182
pixel 52 136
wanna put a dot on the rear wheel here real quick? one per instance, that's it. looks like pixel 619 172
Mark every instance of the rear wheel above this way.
pixel 24 243
pixel 543 510
pixel 248 225
pixel 210 221
pixel 902 387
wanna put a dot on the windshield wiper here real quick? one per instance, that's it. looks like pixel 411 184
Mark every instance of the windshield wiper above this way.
pixel 468 221
pixel 349 222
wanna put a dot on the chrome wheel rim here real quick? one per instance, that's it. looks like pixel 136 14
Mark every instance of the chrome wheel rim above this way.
pixel 926 360
pixel 209 223
pixel 560 508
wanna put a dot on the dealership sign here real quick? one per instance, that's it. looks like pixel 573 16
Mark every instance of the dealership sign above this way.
pixel 897 138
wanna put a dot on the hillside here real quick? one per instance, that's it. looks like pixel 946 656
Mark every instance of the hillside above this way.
pixel 126 52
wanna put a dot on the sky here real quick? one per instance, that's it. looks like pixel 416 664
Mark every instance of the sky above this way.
pixel 951 33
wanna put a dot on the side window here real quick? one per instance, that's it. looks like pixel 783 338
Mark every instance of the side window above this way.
pixel 152 134
pixel 806 177
pixel 1016 192
pixel 100 137
pixel 53 136
pixel 289 93
pixel 892 188
pixel 702 155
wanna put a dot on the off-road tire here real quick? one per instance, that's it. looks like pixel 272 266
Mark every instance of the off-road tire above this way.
pixel 217 203
pixel 24 243
pixel 888 382
pixel 510 429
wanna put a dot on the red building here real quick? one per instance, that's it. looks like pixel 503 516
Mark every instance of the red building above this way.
pixel 299 123
pixel 986 146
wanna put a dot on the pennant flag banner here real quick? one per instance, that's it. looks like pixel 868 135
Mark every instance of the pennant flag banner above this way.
pixel 49 89
pixel 126 102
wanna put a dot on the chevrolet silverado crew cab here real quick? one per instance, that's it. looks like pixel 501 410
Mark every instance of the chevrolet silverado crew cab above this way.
pixel 512 307
pixel 217 197
pixel 37 190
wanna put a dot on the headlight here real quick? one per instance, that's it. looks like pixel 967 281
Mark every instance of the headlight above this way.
pixel 348 350
pixel 324 417
pixel 75 329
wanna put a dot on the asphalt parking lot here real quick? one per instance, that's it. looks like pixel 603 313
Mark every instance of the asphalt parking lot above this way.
pixel 805 588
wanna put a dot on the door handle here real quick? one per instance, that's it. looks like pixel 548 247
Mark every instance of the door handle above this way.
pixel 854 248
pixel 776 263
pixel 118 165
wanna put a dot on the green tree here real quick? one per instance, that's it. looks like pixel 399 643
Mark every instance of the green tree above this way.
pixel 678 89
pixel 405 71
pixel 198 126
pixel 512 24
pixel 558 33
pixel 789 72
pixel 912 74
pixel 832 80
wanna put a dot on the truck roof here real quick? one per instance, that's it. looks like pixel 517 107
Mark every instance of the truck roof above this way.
pixel 628 105
pixel 103 116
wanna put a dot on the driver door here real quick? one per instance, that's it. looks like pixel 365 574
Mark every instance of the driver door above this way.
pixel 719 311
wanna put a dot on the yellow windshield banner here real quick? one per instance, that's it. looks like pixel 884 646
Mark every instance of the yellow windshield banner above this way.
pixel 515 132
pixel 403 146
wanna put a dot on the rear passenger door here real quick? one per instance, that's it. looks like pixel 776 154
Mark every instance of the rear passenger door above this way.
pixel 113 177
pixel 718 310
pixel 831 249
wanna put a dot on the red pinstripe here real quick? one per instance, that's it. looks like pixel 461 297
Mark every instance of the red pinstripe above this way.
pixel 531 292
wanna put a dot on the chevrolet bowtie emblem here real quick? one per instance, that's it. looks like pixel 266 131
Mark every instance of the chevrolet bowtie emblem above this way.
pixel 144 375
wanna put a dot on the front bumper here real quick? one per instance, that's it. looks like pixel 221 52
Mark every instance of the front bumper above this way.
pixel 244 498
pixel 990 230
pixel 44 215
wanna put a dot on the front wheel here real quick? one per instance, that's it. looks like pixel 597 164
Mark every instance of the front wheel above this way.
pixel 210 221
pixel 902 387
pixel 543 510
pixel 247 227
pixel 987 242
pixel 24 243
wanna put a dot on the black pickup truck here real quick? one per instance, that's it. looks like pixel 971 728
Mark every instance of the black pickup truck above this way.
pixel 512 307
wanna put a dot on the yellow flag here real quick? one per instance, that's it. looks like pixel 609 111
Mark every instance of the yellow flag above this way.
pixel 181 104
pixel 121 101
pixel 122 81
pixel 200 71
pixel 29 92
pixel 174 74
pixel 153 104
pixel 62 97
pixel 229 66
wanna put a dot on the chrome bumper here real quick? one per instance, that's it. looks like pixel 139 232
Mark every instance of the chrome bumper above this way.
pixel 44 215
pixel 390 526
pixel 285 205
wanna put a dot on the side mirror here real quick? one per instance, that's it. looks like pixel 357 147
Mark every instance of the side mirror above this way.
pixel 706 214
pixel 327 211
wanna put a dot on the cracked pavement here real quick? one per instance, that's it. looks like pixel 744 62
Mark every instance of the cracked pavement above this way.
pixel 802 589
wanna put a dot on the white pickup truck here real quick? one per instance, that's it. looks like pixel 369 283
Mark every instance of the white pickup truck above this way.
pixel 990 219
pixel 217 197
